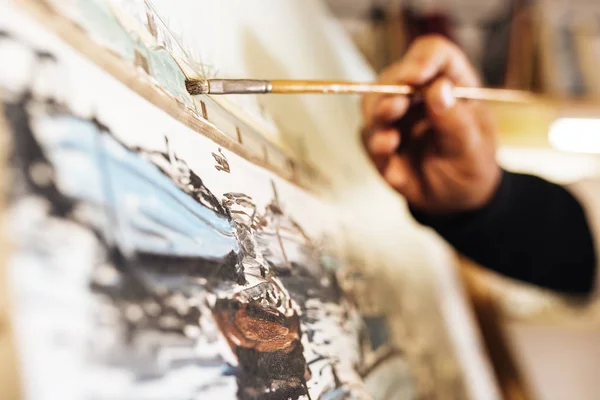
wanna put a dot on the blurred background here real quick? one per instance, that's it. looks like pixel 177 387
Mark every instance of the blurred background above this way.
pixel 551 47
pixel 548 46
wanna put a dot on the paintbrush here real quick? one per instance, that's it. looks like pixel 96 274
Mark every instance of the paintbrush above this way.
pixel 257 86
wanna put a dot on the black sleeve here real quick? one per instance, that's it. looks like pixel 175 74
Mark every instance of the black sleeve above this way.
pixel 531 230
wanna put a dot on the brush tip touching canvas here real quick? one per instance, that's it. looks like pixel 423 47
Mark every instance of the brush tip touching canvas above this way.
pixel 197 86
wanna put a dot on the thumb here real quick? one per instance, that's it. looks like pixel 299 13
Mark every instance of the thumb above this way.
pixel 454 121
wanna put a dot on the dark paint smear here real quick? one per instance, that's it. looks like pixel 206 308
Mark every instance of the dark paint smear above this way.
pixel 28 154
pixel 271 375
pixel 377 330
pixel 226 268
pixel 195 188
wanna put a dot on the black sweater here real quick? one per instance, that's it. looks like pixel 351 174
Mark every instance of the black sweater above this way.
pixel 531 230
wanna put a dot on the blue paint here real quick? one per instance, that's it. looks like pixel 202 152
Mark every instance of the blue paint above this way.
pixel 160 218
pixel 101 22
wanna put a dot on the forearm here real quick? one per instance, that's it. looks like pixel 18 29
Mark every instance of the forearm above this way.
pixel 531 230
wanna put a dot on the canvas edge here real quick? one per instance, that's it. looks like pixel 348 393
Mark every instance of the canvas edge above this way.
pixel 9 377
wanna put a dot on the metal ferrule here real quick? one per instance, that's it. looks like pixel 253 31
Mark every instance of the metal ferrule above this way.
pixel 239 86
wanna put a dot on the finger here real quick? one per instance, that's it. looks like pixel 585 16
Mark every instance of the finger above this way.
pixel 379 157
pixel 397 172
pixel 389 109
pixel 428 57
pixel 383 141
pixel 400 174
pixel 431 56
pixel 380 162
pixel 378 109
pixel 487 125
pixel 454 121
pixel 388 76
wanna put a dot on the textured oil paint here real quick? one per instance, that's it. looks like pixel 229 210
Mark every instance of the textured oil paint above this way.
pixel 151 263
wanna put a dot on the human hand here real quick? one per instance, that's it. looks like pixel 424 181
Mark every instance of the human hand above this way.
pixel 439 154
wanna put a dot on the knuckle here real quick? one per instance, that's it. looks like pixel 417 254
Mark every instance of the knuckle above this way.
pixel 439 44
pixel 435 40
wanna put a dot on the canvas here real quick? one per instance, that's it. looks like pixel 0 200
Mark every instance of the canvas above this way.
pixel 167 247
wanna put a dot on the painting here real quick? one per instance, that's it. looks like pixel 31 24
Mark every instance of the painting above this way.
pixel 165 247
pixel 160 271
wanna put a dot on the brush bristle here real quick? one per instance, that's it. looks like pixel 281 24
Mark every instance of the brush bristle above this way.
pixel 197 86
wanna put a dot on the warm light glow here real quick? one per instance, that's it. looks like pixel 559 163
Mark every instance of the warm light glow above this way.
pixel 579 135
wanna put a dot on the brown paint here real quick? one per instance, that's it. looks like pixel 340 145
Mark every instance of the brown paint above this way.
pixel 292 166
pixel 254 326
pixel 204 112
pixel 268 346
pixel 239 135
pixel 221 160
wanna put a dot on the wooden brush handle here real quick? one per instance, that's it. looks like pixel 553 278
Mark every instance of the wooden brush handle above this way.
pixel 257 86
pixel 337 87
pixel 344 87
